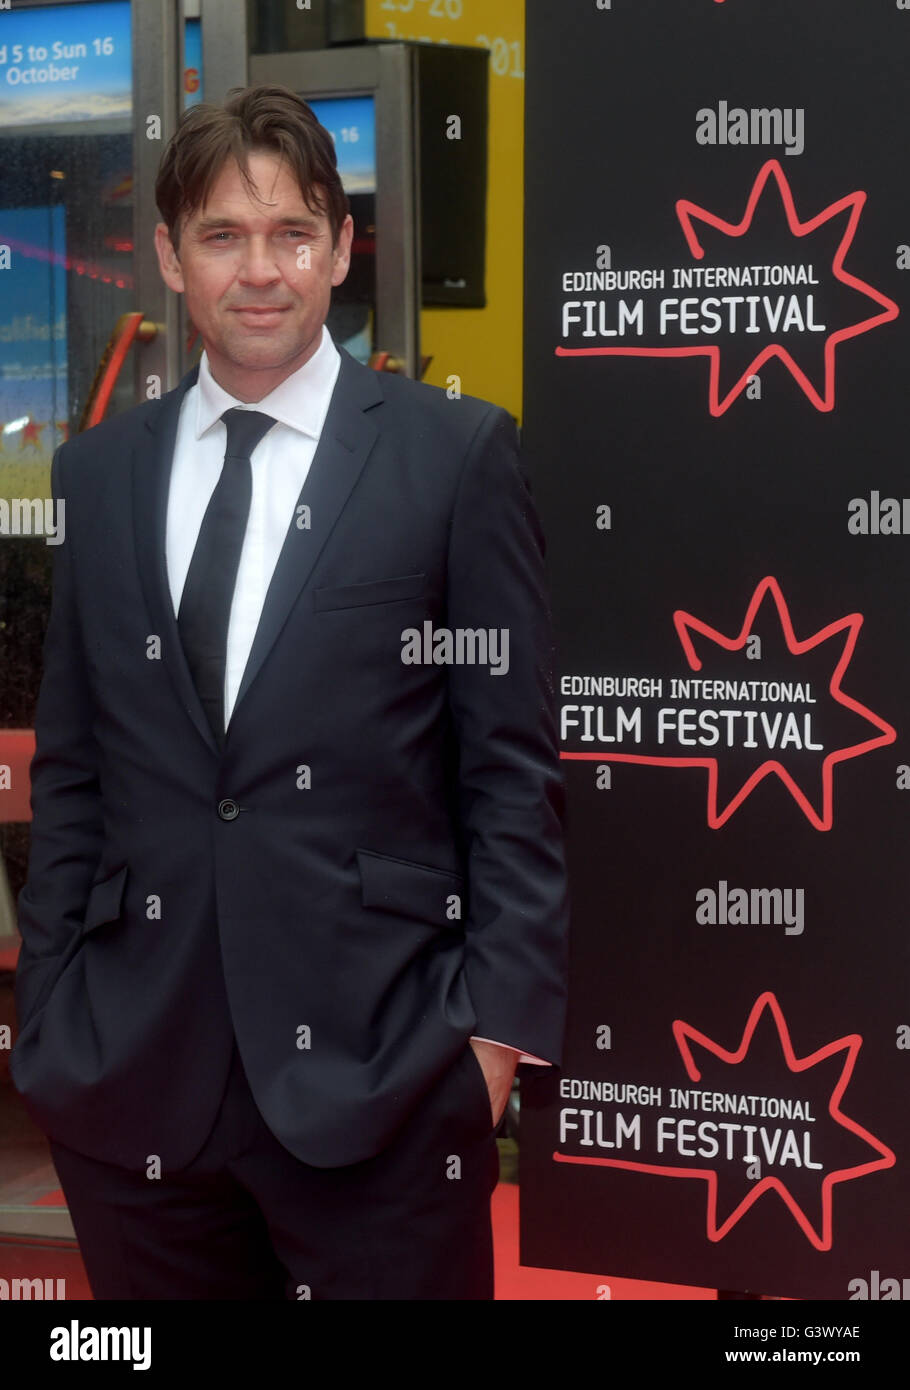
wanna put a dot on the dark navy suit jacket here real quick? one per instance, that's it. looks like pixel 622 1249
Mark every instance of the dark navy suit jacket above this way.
pixel 372 869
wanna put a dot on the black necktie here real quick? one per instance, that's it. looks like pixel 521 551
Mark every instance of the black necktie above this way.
pixel 205 604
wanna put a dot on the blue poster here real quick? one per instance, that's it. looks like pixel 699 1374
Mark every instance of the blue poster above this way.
pixel 65 63
pixel 33 349
pixel 351 121
pixel 192 63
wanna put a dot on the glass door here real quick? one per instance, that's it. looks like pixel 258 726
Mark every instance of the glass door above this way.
pixel 90 91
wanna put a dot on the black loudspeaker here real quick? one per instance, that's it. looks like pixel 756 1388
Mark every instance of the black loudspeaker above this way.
pixel 346 21
pixel 276 26
pixel 453 123
pixel 452 82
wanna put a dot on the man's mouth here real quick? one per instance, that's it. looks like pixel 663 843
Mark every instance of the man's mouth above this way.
pixel 261 316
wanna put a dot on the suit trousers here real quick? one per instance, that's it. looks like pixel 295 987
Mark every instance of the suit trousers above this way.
pixel 246 1219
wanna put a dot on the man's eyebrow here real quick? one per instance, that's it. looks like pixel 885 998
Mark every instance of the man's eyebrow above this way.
pixel 210 224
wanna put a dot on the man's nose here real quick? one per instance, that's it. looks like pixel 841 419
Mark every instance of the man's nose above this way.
pixel 258 264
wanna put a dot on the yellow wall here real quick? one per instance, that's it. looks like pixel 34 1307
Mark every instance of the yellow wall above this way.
pixel 482 346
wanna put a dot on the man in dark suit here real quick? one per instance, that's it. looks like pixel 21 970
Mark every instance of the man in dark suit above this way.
pixel 296 901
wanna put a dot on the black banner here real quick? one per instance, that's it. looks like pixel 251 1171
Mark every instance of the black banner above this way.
pixel 717 249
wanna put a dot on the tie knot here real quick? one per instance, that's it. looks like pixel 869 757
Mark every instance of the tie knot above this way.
pixel 245 428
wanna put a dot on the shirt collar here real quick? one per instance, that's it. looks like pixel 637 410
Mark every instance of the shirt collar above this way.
pixel 301 400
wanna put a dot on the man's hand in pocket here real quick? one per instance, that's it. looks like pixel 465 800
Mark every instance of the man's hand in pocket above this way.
pixel 498 1065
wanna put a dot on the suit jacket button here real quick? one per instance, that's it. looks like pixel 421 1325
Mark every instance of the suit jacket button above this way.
pixel 228 809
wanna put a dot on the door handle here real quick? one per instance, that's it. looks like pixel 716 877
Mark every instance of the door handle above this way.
pixel 127 328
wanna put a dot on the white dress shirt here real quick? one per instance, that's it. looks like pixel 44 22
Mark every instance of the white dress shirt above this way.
pixel 280 463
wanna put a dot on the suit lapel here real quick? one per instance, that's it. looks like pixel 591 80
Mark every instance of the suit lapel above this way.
pixel 347 437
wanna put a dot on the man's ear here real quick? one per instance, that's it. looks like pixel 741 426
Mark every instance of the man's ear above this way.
pixel 341 252
pixel 168 260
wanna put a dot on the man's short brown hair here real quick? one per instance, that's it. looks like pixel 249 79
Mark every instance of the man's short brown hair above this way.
pixel 268 118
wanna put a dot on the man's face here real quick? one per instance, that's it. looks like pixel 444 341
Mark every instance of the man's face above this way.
pixel 257 276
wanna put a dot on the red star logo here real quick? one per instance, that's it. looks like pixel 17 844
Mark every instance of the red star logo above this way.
pixel 846 629
pixel 849 1046
pixel 30 434
pixel 689 214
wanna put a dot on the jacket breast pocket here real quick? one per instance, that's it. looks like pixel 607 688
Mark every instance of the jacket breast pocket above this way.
pixel 375 591
pixel 411 890
pixel 105 900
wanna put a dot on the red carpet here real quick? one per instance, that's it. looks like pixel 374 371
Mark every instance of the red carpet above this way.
pixel 9 955
pixel 48 1259
pixel 51 1199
